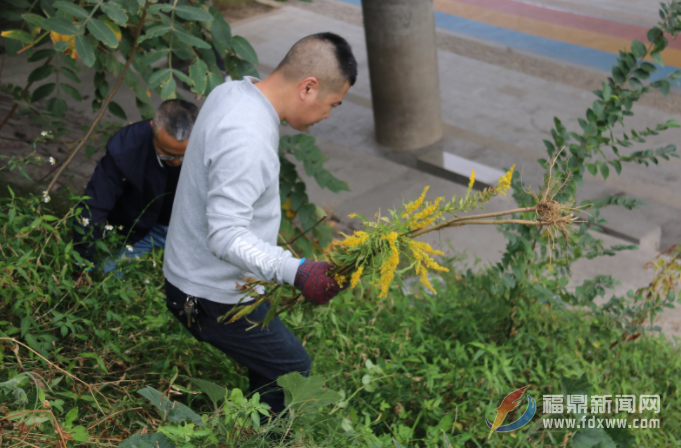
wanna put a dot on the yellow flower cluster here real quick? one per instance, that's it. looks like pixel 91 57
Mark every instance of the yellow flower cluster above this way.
pixel 426 215
pixel 412 206
pixel 355 276
pixel 340 279
pixel 355 240
pixel 389 266
pixel 505 181
pixel 470 184
pixel 420 250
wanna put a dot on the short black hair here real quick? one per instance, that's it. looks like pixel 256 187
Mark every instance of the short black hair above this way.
pixel 177 117
pixel 346 60
pixel 326 56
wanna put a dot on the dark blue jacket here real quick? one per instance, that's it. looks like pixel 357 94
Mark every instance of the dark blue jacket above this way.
pixel 126 188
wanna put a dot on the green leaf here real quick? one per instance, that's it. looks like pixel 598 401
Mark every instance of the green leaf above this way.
pixel 42 92
pixel 244 49
pixel 117 111
pixel 60 26
pixel 197 72
pixel 176 412
pixel 57 107
pixel 79 434
pixel 84 51
pixel 42 54
pixel 648 67
pixel 664 86
pixel 156 31
pixel 190 39
pixel 168 90
pixel 70 417
pixel 618 75
pixel 605 171
pixel 71 91
pixel 653 34
pixel 71 9
pixel 41 73
pixel 327 180
pixel 593 169
pixel 102 32
pixel 214 392
pixel 192 13
pixel 222 35
pixel 617 165
pixel 35 20
pixel 115 13
pixel 635 83
pixel 21 36
pixel 70 75
pixel 157 78
pixel 306 392
pixel 184 78
pixel 657 58
pixel 151 56
pixel 641 74
pixel 244 68
pixel 638 48
pixel 156 440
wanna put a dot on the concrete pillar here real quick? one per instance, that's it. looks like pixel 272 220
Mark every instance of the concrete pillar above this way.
pixel 405 84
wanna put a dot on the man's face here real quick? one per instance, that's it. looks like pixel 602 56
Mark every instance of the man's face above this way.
pixel 314 107
pixel 168 146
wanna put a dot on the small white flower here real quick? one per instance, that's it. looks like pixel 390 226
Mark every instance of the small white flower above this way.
pixel 46 199
pixel 146 280
pixel 108 227
pixel 86 221
pixel 52 161
pixel 44 133
pixel 153 262
pixel 137 257
pixel 129 247
pixel 120 227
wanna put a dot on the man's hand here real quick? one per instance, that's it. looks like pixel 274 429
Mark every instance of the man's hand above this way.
pixel 315 286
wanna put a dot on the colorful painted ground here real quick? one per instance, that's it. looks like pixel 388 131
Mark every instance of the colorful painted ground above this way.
pixel 538 28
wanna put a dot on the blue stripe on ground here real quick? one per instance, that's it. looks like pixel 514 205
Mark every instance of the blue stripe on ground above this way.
pixel 527 42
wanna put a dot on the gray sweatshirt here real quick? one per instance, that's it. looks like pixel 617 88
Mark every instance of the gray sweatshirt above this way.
pixel 227 209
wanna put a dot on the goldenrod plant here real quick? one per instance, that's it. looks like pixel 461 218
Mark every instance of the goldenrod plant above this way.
pixel 373 255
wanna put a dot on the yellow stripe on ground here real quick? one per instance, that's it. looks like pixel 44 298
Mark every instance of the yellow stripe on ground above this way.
pixel 588 39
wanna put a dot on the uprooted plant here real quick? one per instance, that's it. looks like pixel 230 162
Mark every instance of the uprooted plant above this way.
pixel 375 253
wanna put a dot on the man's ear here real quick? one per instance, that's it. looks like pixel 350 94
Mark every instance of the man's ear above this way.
pixel 308 85
pixel 151 123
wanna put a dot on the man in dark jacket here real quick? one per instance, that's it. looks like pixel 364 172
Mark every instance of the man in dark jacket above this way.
pixel 133 186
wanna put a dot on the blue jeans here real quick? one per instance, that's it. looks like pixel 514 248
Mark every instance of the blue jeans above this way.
pixel 268 352
pixel 155 238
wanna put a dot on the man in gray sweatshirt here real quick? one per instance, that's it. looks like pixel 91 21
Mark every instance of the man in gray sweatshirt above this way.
pixel 227 209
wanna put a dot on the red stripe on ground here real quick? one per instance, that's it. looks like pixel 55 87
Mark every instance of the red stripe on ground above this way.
pixel 573 20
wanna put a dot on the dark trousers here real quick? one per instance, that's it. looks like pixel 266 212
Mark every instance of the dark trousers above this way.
pixel 267 352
